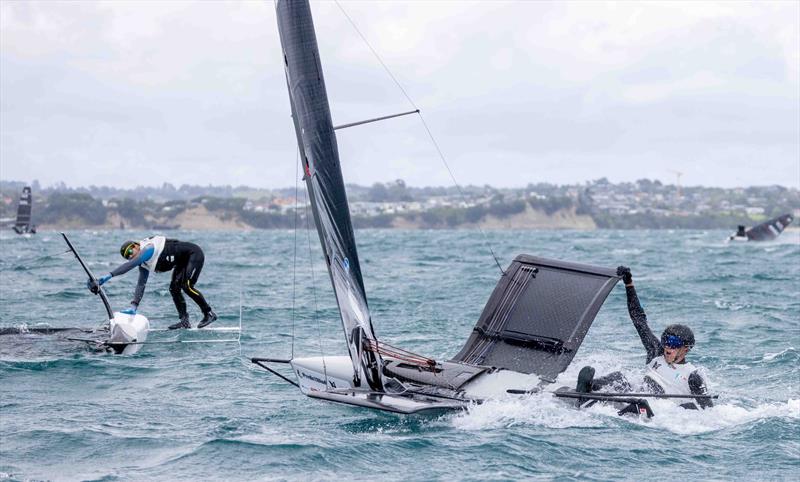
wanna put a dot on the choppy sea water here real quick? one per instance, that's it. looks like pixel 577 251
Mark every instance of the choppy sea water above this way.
pixel 204 412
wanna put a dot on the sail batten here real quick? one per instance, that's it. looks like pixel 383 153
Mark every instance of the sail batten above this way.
pixel 323 176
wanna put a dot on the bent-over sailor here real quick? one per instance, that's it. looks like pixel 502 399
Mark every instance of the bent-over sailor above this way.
pixel 160 254
pixel 667 368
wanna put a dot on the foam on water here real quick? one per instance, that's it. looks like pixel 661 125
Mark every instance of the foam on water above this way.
pixel 538 409
pixel 545 410
pixel 674 419
pixel 768 357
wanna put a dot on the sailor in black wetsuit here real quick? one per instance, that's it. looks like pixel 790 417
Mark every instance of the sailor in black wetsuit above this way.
pixel 160 254
pixel 667 368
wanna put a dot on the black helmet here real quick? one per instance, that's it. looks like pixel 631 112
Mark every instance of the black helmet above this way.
pixel 126 246
pixel 676 336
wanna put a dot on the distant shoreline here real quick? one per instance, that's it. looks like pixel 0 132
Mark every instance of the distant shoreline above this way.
pixel 200 219
pixel 641 205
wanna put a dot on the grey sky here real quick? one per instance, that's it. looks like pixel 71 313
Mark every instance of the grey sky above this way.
pixel 142 93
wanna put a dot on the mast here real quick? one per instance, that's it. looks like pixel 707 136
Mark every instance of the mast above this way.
pixel 92 278
pixel 319 158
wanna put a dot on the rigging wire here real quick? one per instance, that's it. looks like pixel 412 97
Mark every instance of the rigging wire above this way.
pixel 294 262
pixel 314 286
pixel 424 124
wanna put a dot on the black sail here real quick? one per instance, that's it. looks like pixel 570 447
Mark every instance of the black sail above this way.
pixel 23 223
pixel 319 158
pixel 770 229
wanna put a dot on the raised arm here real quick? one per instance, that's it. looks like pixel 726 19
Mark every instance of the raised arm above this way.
pixel 650 341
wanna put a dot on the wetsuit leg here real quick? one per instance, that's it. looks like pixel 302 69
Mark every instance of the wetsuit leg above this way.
pixel 189 275
pixel 615 379
pixel 177 296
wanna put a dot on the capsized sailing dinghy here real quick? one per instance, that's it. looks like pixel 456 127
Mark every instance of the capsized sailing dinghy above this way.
pixel 528 333
pixel 766 231
pixel 124 334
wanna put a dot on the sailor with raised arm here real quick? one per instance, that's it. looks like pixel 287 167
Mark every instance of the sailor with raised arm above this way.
pixel 667 368
pixel 160 254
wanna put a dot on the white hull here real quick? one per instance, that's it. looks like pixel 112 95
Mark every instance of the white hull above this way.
pixel 319 374
pixel 127 333
pixel 315 374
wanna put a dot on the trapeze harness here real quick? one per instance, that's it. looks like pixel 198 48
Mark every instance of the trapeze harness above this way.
pixel 672 378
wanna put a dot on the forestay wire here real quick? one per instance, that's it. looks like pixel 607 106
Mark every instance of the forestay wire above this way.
pixel 310 262
pixel 424 124
pixel 294 262
pixel 314 286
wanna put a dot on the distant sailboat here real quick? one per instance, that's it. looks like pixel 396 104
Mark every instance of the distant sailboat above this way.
pixel 528 333
pixel 23 224
pixel 766 231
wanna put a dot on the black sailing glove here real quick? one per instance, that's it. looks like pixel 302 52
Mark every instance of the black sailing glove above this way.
pixel 625 273
pixel 92 285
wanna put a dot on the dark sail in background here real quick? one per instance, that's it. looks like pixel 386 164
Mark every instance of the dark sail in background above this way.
pixel 319 158
pixel 770 229
pixel 23 224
